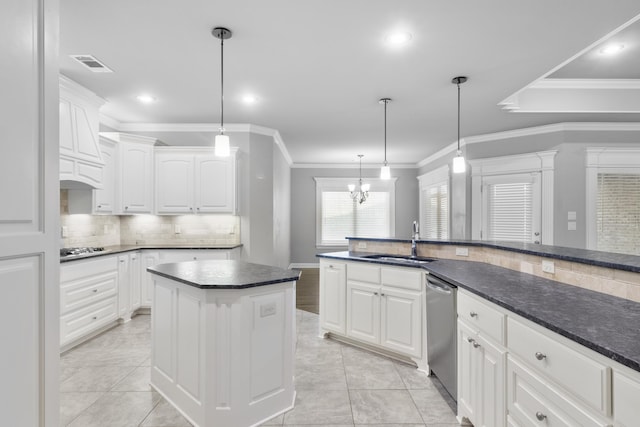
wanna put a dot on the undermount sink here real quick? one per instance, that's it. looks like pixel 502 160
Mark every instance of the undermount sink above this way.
pixel 400 258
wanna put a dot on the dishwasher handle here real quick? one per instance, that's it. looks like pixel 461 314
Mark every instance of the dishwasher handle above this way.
pixel 439 285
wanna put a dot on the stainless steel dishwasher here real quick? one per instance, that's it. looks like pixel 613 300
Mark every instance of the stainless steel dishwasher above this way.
pixel 441 332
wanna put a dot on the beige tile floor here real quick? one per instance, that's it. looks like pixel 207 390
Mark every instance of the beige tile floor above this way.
pixel 105 383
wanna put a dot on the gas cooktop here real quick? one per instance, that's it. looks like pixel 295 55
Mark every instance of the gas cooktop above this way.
pixel 69 252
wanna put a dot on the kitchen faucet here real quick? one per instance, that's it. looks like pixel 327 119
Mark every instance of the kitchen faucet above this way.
pixel 415 234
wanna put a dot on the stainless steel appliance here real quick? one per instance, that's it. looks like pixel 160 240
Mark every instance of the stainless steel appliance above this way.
pixel 441 332
pixel 77 252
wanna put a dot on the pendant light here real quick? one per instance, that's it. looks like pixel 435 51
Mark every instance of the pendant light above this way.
pixel 361 195
pixel 222 148
pixel 385 171
pixel 459 164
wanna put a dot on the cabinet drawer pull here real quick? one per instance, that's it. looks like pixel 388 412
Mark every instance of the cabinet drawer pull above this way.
pixel 471 340
pixel 381 295
pixel 473 314
pixel 476 345
pixel 375 293
pixel 540 356
pixel 540 416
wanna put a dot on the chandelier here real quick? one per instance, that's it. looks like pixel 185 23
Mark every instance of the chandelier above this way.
pixel 361 195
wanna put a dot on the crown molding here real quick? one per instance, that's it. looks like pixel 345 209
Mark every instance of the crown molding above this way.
pixel 199 127
pixel 586 84
pixel 349 166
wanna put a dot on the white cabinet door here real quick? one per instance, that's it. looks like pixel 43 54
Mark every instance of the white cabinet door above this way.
pixel 104 199
pixel 491 382
pixel 149 259
pixel 174 183
pixel 135 285
pixel 626 395
pixel 401 320
pixel 215 186
pixel 333 283
pixel 363 312
pixel 468 367
pixel 135 177
pixel 124 301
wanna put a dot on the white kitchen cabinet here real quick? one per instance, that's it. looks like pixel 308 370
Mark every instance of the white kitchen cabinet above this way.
pixel 88 297
pixel 80 157
pixel 192 180
pixel 400 320
pixel 104 199
pixel 129 284
pixel 363 312
pixel 481 363
pixel 626 398
pixel 135 177
pixel 148 259
pixel 333 282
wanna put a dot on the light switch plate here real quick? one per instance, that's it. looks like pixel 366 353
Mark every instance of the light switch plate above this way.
pixel 548 267
pixel 176 229
pixel 571 216
pixel 64 231
pixel 462 251
pixel 571 226
pixel 362 245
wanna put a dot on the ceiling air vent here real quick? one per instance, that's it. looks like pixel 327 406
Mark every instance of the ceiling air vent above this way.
pixel 92 63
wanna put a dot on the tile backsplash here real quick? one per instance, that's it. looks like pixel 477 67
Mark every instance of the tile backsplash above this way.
pixel 108 230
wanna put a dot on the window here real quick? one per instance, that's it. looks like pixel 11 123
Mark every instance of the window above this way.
pixel 339 216
pixel 434 204
pixel 613 200
pixel 618 213
pixel 512 198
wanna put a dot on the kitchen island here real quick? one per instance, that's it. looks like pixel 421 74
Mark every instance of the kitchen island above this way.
pixel 223 340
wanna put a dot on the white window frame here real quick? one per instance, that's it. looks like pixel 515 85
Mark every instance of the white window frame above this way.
pixel 604 160
pixel 542 162
pixel 431 179
pixel 340 184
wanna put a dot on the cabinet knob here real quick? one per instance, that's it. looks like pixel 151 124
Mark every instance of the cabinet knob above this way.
pixel 95 290
pixel 126 207
pixel 121 260
pixel 471 340
pixel 540 416
pixel 195 258
pixel 190 209
pixel 476 345
pixel 95 317
pixel 375 293
pixel 540 356
pixel 197 208
pixel 99 206
pixel 473 314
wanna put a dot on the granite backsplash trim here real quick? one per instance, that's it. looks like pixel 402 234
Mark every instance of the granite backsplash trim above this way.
pixel 619 283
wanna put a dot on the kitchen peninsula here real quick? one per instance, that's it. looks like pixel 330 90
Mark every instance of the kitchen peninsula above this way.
pixel 223 340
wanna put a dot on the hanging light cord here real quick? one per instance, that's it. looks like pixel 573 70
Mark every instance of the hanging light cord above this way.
pixel 458 84
pixel 385 132
pixel 222 84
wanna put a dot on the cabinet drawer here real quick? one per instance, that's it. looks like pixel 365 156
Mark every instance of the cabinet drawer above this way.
pixel 86 320
pixel 79 293
pixel 74 270
pixel 362 272
pixel 576 372
pixel 489 321
pixel 626 400
pixel 406 278
pixel 534 403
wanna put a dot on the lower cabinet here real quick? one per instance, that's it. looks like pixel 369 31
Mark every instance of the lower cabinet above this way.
pixel 481 378
pixel 88 297
pixel 129 285
pixel 376 305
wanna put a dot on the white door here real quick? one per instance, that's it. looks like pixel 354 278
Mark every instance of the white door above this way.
pixel 363 312
pixel 29 223
pixel 333 284
pixel 401 315
pixel 174 183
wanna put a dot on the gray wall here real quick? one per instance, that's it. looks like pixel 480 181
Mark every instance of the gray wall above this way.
pixel 569 172
pixel 303 206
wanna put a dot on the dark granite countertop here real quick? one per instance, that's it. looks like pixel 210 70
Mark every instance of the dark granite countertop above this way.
pixel 223 274
pixel 600 322
pixel 116 249
pixel 583 256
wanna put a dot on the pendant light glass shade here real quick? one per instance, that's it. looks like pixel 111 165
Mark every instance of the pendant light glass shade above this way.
pixel 385 172
pixel 222 148
pixel 459 164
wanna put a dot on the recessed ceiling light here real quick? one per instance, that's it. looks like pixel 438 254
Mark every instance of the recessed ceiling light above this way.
pixel 611 49
pixel 249 99
pixel 398 38
pixel 146 99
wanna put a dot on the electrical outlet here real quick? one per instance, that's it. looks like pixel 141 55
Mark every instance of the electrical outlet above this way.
pixel 548 267
pixel 362 245
pixel 176 229
pixel 462 251
pixel 64 231
pixel 106 229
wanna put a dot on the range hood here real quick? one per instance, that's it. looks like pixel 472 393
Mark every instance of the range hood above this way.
pixel 81 163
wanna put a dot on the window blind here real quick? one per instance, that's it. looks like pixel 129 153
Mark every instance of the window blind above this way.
pixel 510 211
pixel 435 212
pixel 618 213
pixel 341 216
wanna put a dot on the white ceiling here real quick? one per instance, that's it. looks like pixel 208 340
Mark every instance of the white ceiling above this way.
pixel 318 67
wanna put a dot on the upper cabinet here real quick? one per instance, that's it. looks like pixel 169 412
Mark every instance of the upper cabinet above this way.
pixel 81 161
pixel 193 180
